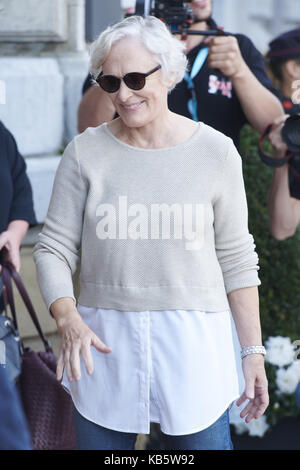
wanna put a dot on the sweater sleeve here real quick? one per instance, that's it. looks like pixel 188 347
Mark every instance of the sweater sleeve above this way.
pixel 56 252
pixel 22 207
pixel 234 244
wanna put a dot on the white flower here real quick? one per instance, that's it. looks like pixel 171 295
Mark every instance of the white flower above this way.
pixel 241 428
pixel 234 417
pixel 280 351
pixel 288 379
pixel 258 427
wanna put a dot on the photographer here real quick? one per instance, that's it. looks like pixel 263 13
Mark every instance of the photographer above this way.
pixel 284 63
pixel 231 88
pixel 16 202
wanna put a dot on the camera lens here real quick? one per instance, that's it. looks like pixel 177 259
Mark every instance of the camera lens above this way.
pixel 291 133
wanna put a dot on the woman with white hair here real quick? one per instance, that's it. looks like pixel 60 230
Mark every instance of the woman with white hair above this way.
pixel 155 203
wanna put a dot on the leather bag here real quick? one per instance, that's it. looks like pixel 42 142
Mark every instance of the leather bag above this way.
pixel 47 405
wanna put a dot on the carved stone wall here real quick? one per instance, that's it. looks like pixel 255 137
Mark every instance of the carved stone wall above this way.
pixel 34 20
pixel 43 63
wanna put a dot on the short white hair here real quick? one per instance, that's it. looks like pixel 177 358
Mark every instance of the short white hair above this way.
pixel 168 51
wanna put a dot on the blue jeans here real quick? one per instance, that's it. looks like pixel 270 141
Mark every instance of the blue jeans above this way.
pixel 91 436
pixel 14 431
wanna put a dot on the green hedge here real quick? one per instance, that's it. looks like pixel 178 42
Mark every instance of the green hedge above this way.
pixel 279 261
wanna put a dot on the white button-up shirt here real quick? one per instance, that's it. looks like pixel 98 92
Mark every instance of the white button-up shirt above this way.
pixel 180 368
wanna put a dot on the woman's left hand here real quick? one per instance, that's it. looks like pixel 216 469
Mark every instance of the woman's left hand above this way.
pixel 256 387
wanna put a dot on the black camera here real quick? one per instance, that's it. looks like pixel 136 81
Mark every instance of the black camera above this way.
pixel 175 13
pixel 291 136
pixel 291 133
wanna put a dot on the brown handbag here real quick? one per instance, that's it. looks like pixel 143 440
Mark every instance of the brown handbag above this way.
pixel 48 407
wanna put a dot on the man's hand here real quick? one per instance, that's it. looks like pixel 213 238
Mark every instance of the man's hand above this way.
pixel 279 146
pixel 11 238
pixel 225 55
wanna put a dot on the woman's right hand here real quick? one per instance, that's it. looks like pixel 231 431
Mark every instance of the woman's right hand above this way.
pixel 77 339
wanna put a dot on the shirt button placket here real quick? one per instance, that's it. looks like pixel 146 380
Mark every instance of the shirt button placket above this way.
pixel 144 335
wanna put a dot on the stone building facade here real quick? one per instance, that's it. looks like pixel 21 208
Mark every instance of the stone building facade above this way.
pixel 43 63
pixel 261 20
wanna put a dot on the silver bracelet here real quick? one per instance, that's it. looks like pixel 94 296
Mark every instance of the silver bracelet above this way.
pixel 253 350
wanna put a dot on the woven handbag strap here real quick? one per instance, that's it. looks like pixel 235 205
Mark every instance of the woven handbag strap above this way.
pixel 9 272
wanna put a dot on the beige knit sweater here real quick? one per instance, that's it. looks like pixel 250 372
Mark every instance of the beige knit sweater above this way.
pixel 158 228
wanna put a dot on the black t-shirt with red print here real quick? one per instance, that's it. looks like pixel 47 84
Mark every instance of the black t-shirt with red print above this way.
pixel 217 102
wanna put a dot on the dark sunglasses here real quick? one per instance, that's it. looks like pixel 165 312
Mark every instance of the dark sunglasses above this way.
pixel 133 80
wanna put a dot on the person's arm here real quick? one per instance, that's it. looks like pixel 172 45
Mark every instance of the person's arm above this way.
pixel 283 210
pixel 21 212
pixel 94 109
pixel 56 253
pixel 238 260
pixel 22 207
pixel 260 106
pixel 244 305
pixel 235 247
